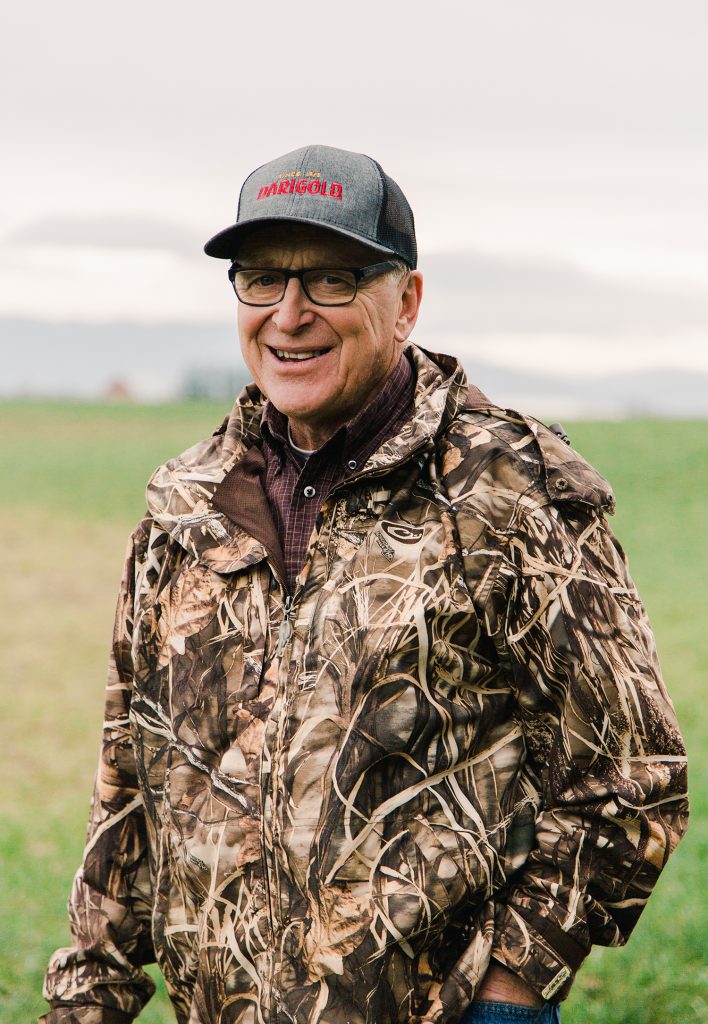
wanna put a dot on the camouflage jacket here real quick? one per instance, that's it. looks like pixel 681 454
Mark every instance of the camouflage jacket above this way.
pixel 453 741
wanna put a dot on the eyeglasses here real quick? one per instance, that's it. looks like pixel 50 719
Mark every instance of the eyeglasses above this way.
pixel 328 286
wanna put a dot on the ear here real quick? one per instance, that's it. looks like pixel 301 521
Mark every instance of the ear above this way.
pixel 411 295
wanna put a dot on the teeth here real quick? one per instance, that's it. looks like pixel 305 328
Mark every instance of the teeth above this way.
pixel 298 355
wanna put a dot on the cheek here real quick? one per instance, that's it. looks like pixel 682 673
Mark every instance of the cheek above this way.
pixel 364 334
pixel 249 323
pixel 244 318
pixel 372 346
pixel 377 326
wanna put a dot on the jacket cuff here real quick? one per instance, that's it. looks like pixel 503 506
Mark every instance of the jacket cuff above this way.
pixel 540 952
pixel 77 1013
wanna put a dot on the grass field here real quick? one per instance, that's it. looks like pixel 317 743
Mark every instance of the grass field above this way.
pixel 72 484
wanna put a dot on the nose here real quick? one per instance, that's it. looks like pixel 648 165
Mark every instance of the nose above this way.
pixel 294 309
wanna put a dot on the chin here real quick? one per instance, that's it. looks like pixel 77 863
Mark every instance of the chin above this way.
pixel 293 410
pixel 296 412
pixel 300 406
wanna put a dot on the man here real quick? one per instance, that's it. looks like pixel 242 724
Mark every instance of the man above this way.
pixel 386 739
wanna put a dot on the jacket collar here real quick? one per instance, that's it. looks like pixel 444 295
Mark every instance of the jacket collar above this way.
pixel 210 499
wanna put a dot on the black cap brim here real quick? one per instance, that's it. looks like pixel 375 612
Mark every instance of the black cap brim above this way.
pixel 224 245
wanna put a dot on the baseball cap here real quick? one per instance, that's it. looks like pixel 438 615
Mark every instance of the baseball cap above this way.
pixel 348 193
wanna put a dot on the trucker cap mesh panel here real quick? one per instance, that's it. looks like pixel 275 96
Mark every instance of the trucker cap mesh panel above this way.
pixel 396 227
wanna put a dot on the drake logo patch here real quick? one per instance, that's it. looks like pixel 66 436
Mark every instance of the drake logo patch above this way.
pixel 402 533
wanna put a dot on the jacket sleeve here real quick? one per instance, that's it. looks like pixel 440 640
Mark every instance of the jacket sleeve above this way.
pixel 604 753
pixel 99 979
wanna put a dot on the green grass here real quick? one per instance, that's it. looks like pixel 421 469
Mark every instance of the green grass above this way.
pixel 73 479
pixel 93 461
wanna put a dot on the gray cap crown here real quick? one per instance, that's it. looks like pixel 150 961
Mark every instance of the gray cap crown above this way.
pixel 345 192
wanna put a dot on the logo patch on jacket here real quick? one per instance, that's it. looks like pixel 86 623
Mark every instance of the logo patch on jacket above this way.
pixel 403 533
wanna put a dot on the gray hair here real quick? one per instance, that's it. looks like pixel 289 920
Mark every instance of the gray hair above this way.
pixel 400 267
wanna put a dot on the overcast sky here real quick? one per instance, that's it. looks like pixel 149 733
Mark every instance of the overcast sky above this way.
pixel 555 155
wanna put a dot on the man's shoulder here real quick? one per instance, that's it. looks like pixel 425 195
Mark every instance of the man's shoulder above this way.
pixel 487 442
pixel 184 483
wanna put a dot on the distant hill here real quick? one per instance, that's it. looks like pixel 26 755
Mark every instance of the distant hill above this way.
pixel 666 393
pixel 152 361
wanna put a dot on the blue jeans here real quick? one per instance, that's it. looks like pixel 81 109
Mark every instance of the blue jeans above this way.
pixel 482 1012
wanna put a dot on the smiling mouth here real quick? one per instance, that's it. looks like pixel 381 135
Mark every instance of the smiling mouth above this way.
pixel 298 357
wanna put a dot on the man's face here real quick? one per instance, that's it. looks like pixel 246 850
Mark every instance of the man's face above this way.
pixel 353 348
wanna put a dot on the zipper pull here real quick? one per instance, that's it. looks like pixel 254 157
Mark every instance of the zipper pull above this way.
pixel 286 625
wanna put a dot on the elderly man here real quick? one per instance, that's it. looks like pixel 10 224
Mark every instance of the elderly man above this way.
pixel 386 740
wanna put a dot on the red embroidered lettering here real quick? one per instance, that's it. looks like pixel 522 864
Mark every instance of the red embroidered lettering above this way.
pixel 301 185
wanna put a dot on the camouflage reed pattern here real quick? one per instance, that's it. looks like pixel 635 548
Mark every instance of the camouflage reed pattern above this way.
pixel 456 743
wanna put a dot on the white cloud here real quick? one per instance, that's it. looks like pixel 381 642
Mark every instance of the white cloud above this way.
pixel 90 284
pixel 108 231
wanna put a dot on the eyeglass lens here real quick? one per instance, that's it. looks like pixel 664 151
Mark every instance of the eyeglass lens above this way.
pixel 265 287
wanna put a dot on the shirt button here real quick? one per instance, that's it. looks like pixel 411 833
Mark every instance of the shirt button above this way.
pixel 352 464
pixel 309 491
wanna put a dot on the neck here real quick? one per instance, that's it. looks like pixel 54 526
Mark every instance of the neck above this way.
pixel 309 438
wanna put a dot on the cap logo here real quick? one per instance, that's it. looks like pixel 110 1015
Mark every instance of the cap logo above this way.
pixel 299 185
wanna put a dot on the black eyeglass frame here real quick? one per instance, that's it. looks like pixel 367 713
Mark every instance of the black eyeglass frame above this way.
pixel 360 274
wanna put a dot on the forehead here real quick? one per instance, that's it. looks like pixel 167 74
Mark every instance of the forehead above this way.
pixel 301 243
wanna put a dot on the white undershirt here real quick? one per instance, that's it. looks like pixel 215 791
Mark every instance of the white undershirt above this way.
pixel 302 451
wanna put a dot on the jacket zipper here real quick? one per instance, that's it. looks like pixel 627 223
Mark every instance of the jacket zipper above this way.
pixel 286 626
pixel 270 855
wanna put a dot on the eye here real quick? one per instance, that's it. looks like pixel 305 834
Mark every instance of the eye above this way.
pixel 262 281
pixel 258 281
pixel 331 282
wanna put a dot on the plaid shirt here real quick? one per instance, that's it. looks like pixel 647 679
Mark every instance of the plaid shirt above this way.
pixel 297 484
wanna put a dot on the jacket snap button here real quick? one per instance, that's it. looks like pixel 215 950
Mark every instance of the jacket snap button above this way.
pixel 352 464
pixel 561 484
pixel 309 491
